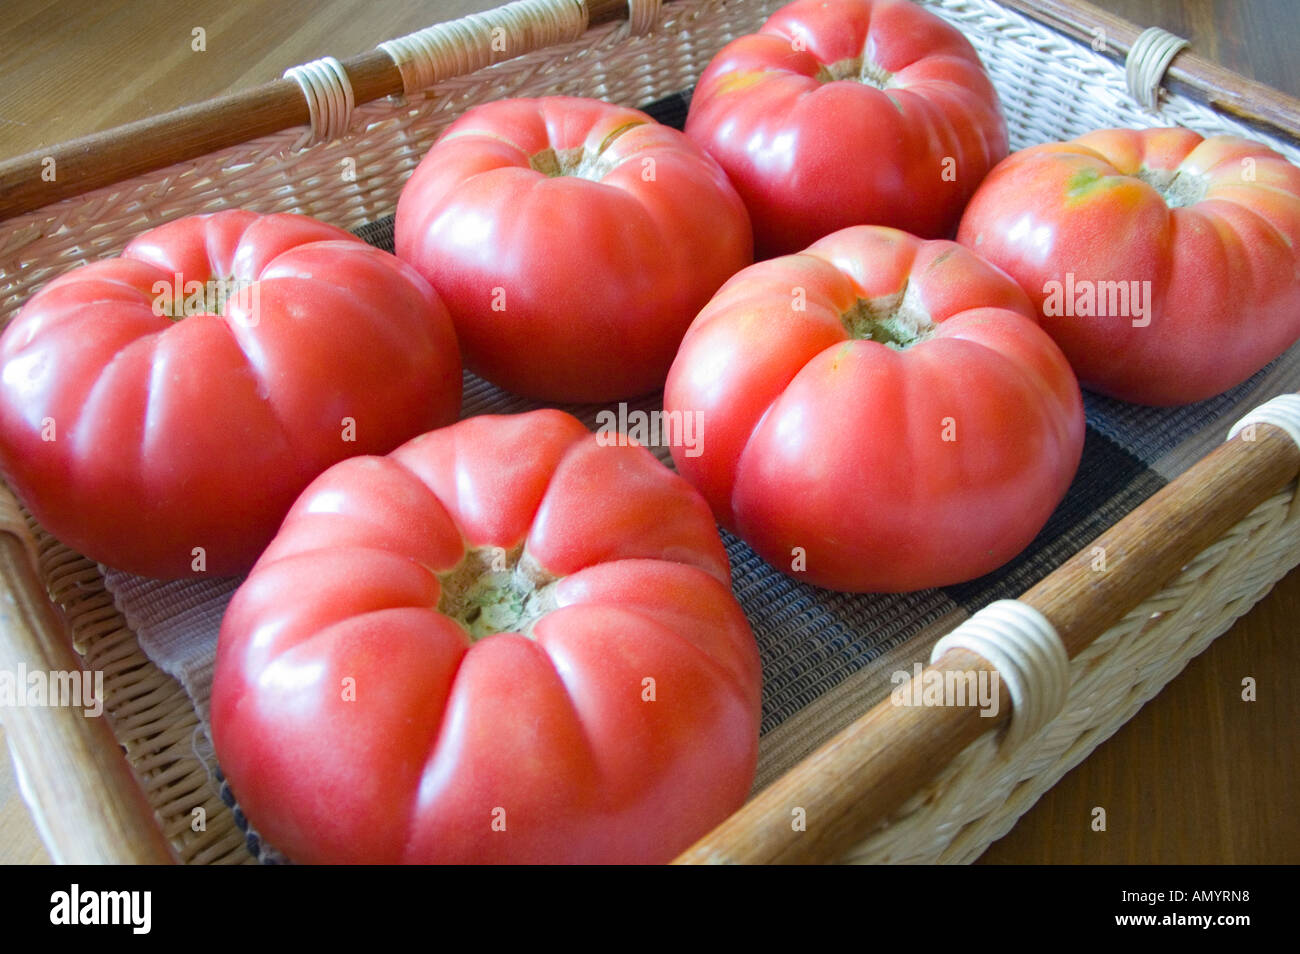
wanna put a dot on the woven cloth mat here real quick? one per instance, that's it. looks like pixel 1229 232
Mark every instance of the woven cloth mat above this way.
pixel 811 640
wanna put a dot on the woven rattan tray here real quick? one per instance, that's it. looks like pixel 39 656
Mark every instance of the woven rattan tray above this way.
pixel 874 781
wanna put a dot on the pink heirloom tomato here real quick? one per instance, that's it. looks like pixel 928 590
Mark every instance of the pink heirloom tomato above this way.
pixel 1166 266
pixel 573 241
pixel 883 413
pixel 160 411
pixel 503 642
pixel 849 112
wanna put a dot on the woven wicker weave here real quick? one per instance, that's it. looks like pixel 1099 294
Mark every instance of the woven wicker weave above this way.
pixel 1051 88
pixel 978 798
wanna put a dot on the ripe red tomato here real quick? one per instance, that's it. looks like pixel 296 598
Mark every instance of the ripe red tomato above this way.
pixel 849 112
pixel 573 242
pixel 168 447
pixel 882 412
pixel 503 642
pixel 1166 266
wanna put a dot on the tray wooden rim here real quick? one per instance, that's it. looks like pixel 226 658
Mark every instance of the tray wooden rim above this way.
pixel 120 826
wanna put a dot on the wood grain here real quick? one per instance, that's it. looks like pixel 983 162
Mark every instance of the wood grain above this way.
pixel 96 812
pixel 1196 776
pixel 1140 551
pixel 850 784
pixel 839 793
pixel 77 67
pixel 1199 775
pixel 161 140
pixel 19 842
pixel 1190 72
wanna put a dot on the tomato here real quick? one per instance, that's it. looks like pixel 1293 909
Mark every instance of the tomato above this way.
pixel 849 112
pixel 160 411
pixel 883 413
pixel 503 642
pixel 1165 265
pixel 573 242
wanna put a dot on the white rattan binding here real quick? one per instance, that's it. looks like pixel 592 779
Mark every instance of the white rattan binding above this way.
pixel 1148 59
pixel 1029 656
pixel 642 15
pixel 459 47
pixel 1283 412
pixel 330 101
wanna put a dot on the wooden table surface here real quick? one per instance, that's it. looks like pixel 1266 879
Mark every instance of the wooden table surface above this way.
pixel 1197 776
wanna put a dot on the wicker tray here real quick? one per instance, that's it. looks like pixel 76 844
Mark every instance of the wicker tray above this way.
pixel 882 783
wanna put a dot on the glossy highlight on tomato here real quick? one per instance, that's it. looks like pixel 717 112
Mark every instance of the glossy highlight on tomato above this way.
pixel 161 425
pixel 502 642
pixel 1165 265
pixel 883 413
pixel 573 241
pixel 849 112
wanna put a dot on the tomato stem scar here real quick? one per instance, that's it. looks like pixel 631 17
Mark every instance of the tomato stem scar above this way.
pixel 494 591
pixel 897 321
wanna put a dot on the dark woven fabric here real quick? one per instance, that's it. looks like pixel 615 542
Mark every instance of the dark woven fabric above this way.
pixel 810 639
pixel 1110 482
pixel 671 110
pixel 1154 431
pixel 378 234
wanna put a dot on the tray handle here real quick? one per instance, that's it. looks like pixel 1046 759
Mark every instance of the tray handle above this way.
pixel 849 786
pixel 133 149
pixel 86 802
